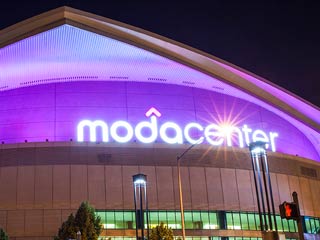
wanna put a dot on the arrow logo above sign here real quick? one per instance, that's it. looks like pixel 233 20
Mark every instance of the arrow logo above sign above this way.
pixel 153 111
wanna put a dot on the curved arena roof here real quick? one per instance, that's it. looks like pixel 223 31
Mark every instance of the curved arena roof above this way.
pixel 79 46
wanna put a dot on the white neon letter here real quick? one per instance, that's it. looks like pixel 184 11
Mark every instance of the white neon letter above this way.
pixel 246 132
pixel 171 140
pixel 187 134
pixel 214 131
pixel 263 137
pixel 114 133
pixel 93 125
pixel 152 125
pixel 273 135
pixel 229 135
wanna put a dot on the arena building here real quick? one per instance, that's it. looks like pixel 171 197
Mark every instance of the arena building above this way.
pixel 88 102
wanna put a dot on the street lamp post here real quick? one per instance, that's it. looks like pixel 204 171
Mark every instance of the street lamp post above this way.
pixel 78 235
pixel 263 187
pixel 140 196
pixel 180 189
pixel 181 200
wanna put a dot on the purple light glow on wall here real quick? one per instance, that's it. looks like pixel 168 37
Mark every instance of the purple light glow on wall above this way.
pixel 53 111
pixel 67 53
pixel 281 94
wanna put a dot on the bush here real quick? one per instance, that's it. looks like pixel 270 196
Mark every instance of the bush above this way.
pixel 161 232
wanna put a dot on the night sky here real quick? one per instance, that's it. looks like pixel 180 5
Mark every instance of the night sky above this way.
pixel 277 41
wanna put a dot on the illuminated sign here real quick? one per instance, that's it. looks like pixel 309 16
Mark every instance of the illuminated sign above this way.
pixel 171 133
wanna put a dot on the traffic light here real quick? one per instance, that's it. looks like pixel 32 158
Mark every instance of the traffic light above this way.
pixel 289 210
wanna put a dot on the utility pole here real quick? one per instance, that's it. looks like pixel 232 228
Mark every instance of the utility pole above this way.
pixel 299 220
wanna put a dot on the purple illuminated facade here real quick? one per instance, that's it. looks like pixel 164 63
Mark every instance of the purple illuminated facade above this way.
pixel 52 112
pixel 60 84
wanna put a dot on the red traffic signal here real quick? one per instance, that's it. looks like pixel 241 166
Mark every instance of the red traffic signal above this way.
pixel 289 210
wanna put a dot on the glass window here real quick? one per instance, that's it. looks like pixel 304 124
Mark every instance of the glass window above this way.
pixel 205 220
pixel 128 238
pixel 214 238
pixel 252 221
pixel 154 218
pixel 163 217
pixel 188 220
pixel 110 220
pixel 285 225
pixel 317 224
pixel 292 227
pixel 244 221
pixel 279 223
pixel 196 218
pixel 178 219
pixel 257 220
pixel 308 226
pixel 312 224
pixel 128 219
pixel 236 221
pixel 117 238
pixel 146 219
pixel 196 238
pixel 213 220
pixel 200 220
pixel 119 220
pixel 102 216
pixel 295 226
pixel 229 220
pixel 203 238
pixel 171 217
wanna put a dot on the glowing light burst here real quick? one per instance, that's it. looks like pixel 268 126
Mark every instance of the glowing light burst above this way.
pixel 228 118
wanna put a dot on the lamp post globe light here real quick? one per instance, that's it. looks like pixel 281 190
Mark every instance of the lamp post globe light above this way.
pixel 78 235
pixel 263 188
pixel 140 203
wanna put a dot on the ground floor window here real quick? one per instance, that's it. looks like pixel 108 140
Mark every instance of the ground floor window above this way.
pixel 197 220
pixel 312 225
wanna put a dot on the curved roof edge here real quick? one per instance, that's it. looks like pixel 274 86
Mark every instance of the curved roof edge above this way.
pixel 248 82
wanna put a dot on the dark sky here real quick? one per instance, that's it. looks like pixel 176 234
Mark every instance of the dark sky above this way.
pixel 277 41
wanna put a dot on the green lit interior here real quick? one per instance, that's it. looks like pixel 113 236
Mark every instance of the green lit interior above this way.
pixel 195 220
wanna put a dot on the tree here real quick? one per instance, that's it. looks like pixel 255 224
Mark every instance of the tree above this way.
pixel 161 232
pixel 3 235
pixel 85 221
pixel 89 225
pixel 68 229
